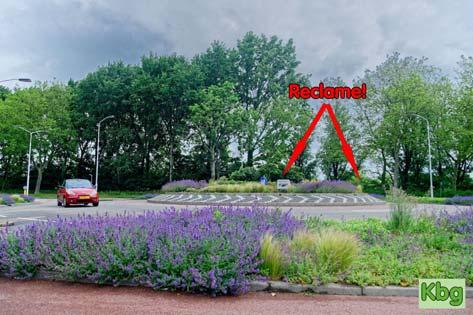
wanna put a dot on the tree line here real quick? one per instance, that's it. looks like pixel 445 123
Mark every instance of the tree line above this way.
pixel 225 112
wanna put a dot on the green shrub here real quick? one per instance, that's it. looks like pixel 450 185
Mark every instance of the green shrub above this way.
pixel 245 187
pixel 335 250
pixel 400 217
pixel 272 256
pixel 245 174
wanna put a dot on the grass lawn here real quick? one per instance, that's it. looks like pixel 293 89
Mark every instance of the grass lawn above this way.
pixel 435 200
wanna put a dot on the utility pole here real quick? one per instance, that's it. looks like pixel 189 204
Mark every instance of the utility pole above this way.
pixel 430 153
pixel 31 133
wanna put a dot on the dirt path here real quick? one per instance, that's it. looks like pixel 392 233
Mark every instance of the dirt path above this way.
pixel 43 297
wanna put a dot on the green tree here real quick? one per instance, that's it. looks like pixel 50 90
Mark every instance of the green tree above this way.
pixel 331 159
pixel 265 67
pixel 43 107
pixel 397 89
pixel 214 119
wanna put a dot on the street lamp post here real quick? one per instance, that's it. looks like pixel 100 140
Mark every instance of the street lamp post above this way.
pixel 18 79
pixel 430 154
pixel 98 152
pixel 31 133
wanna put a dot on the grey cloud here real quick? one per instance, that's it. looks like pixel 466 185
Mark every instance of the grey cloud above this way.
pixel 46 39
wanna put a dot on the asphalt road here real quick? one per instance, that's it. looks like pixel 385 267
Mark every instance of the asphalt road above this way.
pixel 44 209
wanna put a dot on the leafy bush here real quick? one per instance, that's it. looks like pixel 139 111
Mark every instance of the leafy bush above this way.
pixel 183 185
pixel 271 254
pixel 213 250
pixel 273 172
pixel 245 174
pixel 460 200
pixel 335 250
pixel 400 216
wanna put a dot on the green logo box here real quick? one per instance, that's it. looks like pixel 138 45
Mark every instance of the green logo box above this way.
pixel 442 293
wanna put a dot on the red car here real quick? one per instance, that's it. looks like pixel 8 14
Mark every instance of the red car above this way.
pixel 77 191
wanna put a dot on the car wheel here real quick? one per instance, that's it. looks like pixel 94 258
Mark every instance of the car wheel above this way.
pixel 95 204
pixel 64 203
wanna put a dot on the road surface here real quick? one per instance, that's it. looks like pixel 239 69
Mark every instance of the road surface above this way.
pixel 45 209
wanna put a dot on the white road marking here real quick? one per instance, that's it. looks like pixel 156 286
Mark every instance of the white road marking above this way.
pixel 287 199
pixel 188 198
pixel 240 198
pixel 2 216
pixel 227 197
pixel 273 198
pixel 304 199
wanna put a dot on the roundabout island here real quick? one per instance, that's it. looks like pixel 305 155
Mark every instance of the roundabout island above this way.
pixel 267 199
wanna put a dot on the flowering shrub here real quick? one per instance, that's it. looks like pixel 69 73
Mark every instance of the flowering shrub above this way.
pixel 325 186
pixel 7 200
pixel 183 185
pixel 335 186
pixel 460 200
pixel 213 250
pixel 27 198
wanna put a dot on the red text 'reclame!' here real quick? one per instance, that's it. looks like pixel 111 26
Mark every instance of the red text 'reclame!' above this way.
pixel 327 92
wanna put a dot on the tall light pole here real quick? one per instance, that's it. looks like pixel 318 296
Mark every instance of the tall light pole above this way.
pixel 430 154
pixel 29 156
pixel 98 152
pixel 18 79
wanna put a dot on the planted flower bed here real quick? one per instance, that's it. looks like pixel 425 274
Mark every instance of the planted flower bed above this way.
pixel 6 199
pixel 231 186
pixel 220 250
pixel 208 250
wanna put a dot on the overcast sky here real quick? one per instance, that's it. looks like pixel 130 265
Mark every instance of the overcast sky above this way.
pixel 62 39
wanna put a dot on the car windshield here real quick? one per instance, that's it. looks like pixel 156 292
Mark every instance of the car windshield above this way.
pixel 78 183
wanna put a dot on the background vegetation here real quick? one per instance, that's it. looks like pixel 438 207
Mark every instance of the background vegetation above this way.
pixel 225 112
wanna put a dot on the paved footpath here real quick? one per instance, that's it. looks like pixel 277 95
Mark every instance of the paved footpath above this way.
pixel 272 199
pixel 43 297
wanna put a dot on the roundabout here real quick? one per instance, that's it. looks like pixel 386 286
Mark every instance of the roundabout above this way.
pixel 268 199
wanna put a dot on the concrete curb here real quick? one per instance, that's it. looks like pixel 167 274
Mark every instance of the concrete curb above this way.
pixel 339 289
pixel 271 286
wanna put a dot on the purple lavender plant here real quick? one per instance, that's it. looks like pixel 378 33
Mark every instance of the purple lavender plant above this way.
pixel 306 187
pixel 335 186
pixel 7 200
pixel 461 222
pixel 27 198
pixel 183 184
pixel 212 250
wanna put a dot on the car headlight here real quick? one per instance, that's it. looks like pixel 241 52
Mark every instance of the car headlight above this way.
pixel 70 192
